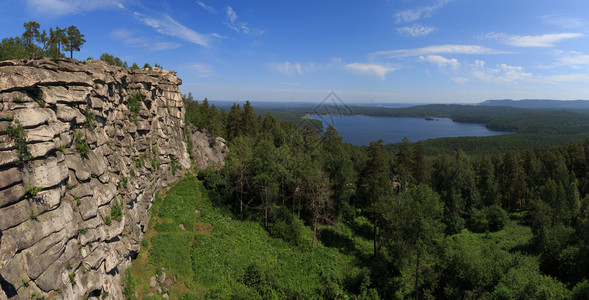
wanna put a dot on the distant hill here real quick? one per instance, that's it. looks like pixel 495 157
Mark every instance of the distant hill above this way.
pixel 539 104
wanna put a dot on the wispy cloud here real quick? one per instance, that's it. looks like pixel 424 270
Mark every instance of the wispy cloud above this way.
pixel 233 22
pixel 160 46
pixel 129 38
pixel 165 24
pixel 574 60
pixel 441 61
pixel 65 7
pixel 416 30
pixel 218 35
pixel 545 40
pixel 289 68
pixel 206 7
pixel 377 70
pixel 564 21
pixel 577 77
pixel 417 13
pixel 502 73
pixel 203 70
pixel 439 49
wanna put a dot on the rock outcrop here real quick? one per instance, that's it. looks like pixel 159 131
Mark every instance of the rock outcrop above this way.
pixel 76 191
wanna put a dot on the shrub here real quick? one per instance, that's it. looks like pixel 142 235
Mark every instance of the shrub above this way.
pixel 581 291
pixel 129 284
pixel 285 226
pixel 108 220
pixel 31 191
pixel 497 218
pixel 134 104
pixel 116 211
pixel 72 277
pixel 81 144
pixel 33 214
pixel 90 118
pixel 18 135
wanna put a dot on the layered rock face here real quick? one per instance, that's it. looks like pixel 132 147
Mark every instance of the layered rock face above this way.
pixel 74 201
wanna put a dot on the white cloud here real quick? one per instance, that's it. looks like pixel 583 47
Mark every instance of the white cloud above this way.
pixel 379 71
pixel 159 46
pixel 460 80
pixel 439 49
pixel 574 60
pixel 417 13
pixel 218 36
pixel 121 33
pixel 128 38
pixel 291 83
pixel 288 68
pixel 66 7
pixel 578 77
pixel 416 30
pixel 441 61
pixel 564 21
pixel 203 70
pixel 545 40
pixel 206 7
pixel 502 73
pixel 165 24
pixel 233 23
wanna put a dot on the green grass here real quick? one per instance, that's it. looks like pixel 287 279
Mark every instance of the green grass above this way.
pixel 210 257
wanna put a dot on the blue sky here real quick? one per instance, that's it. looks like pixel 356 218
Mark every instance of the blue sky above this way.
pixel 435 51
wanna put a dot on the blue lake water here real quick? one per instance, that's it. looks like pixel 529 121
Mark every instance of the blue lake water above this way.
pixel 361 130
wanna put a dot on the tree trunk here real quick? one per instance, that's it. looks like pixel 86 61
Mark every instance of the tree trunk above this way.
pixel 374 223
pixel 314 234
pixel 417 277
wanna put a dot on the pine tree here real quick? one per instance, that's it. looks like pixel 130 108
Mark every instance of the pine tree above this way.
pixel 30 35
pixel 74 40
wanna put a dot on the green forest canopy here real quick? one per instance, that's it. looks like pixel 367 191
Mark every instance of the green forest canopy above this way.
pixel 503 226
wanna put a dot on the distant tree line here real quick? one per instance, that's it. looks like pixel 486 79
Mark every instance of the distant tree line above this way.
pixel 419 206
pixel 34 43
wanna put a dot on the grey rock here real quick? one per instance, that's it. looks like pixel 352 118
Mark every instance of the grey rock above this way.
pixel 31 117
pixel 14 215
pixel 7 250
pixel 32 231
pixel 44 253
pixel 9 177
pixel 162 278
pixel 44 173
pixel 88 208
pixel 8 157
pixel 11 195
pixel 152 281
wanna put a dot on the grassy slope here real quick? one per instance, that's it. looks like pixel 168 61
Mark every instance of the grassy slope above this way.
pixel 210 257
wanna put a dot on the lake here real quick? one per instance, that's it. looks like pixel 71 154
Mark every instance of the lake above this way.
pixel 361 130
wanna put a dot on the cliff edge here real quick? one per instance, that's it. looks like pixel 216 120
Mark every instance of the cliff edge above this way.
pixel 84 146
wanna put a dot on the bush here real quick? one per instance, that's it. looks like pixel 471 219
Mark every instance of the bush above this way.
pixel 18 135
pixel 497 218
pixel 492 218
pixel 116 211
pixel 134 105
pixel 285 226
pixel 502 292
pixel 479 222
pixel 581 291
pixel 81 145
pixel 129 284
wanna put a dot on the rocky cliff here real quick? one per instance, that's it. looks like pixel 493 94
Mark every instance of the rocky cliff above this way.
pixel 84 146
